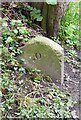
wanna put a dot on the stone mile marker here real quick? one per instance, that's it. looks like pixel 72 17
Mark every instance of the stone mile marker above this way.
pixel 46 55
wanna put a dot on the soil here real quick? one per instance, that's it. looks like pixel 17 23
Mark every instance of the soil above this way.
pixel 72 85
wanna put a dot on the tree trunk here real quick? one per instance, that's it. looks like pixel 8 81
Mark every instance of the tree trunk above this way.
pixel 52 15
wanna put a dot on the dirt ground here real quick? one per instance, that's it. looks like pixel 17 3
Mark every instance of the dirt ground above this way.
pixel 72 85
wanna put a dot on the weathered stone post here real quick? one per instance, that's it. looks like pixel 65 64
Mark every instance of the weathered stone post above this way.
pixel 44 54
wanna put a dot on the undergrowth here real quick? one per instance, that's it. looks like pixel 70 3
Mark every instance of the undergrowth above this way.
pixel 69 28
pixel 27 98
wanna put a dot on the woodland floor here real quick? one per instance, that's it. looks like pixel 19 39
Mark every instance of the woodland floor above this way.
pixel 72 83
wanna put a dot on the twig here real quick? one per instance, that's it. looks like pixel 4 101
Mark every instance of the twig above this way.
pixel 73 81
pixel 6 16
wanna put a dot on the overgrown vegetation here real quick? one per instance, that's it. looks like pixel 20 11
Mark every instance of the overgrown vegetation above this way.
pixel 69 34
pixel 42 102
pixel 36 14
pixel 27 98
pixel 69 29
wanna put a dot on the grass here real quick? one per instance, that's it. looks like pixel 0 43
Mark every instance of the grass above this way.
pixel 69 29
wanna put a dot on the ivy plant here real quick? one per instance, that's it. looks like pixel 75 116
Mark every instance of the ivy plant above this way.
pixel 36 14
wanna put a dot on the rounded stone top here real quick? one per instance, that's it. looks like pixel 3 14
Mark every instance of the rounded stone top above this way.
pixel 46 41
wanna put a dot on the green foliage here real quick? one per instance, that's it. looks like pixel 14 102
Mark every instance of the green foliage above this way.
pixel 71 53
pixel 51 2
pixel 69 29
pixel 15 21
pixel 9 40
pixel 35 70
pixel 4 19
pixel 36 14
pixel 37 101
pixel 3 9
pixel 52 104
pixel 71 58
pixel 10 35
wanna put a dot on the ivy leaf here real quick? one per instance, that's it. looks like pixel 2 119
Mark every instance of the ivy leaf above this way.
pixel 38 11
pixel 15 31
pixel 5 18
pixel 9 107
pixel 18 21
pixel 9 40
pixel 21 69
pixel 69 103
pixel 15 68
pixel 4 50
pixel 2 9
pixel 40 18
pixel 38 71
pixel 32 14
pixel 32 70
pixel 22 30
pixel 29 7
pixel 17 113
pixel 15 21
